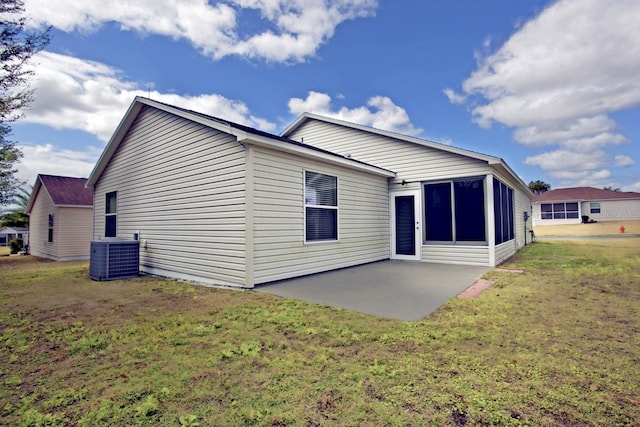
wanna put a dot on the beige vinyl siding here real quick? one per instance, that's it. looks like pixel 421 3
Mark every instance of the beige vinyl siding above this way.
pixel 278 209
pixel 182 186
pixel 411 162
pixel 523 204
pixel 75 227
pixel 39 226
pixel 613 210
pixel 456 254
pixel 505 251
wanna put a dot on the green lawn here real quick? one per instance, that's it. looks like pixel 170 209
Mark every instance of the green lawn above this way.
pixel 557 345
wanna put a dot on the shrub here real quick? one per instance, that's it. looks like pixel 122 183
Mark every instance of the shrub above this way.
pixel 15 245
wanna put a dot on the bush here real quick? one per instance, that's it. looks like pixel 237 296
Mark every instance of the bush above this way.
pixel 16 245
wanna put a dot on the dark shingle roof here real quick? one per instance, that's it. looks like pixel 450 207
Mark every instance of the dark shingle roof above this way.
pixel 583 193
pixel 68 191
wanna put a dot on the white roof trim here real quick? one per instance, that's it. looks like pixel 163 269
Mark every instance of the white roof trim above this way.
pixel 314 154
pixel 491 160
pixel 241 135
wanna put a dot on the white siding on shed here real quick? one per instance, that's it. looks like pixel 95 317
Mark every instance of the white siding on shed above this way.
pixel 182 186
pixel 278 206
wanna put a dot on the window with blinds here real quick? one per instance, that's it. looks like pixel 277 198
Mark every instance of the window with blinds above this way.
pixel 320 207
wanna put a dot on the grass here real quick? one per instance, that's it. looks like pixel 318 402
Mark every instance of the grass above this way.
pixel 557 345
pixel 4 251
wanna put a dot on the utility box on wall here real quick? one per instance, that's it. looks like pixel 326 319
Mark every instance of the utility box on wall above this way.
pixel 114 259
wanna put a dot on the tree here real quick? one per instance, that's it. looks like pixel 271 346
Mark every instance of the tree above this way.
pixel 617 190
pixel 17 217
pixel 17 46
pixel 539 187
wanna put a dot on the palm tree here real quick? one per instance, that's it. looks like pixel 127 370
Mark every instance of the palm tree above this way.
pixel 617 190
pixel 17 217
pixel 539 187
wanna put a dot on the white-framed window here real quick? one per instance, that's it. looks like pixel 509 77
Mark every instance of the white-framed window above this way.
pixel 454 211
pixel 594 207
pixel 111 214
pixel 560 210
pixel 320 207
pixel 503 212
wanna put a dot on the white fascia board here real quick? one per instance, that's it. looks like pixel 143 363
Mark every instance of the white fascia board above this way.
pixel 75 206
pixel 114 142
pixel 261 141
pixel 395 135
pixel 34 193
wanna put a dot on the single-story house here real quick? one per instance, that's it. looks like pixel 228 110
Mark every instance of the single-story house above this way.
pixel 60 218
pixel 10 233
pixel 569 205
pixel 222 203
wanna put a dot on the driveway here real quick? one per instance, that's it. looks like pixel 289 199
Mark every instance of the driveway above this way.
pixel 400 290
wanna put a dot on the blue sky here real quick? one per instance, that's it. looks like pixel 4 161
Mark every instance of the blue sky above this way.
pixel 552 87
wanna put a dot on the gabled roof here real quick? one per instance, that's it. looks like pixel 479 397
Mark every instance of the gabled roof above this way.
pixel 491 160
pixel 583 194
pixel 244 134
pixel 13 230
pixel 63 190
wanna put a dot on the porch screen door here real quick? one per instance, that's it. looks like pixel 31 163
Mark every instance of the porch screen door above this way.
pixel 405 225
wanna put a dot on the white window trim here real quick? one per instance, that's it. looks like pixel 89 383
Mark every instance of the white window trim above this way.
pixel 453 242
pixel 115 214
pixel 553 211
pixel 309 205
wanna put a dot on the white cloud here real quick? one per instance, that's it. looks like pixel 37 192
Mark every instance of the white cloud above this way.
pixel 380 112
pixel 577 59
pixel 454 98
pixel 557 79
pixel 292 29
pixel 552 132
pixel 73 93
pixel 563 160
pixel 52 160
pixel 622 160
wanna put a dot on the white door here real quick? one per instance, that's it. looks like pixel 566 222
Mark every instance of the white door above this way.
pixel 406 236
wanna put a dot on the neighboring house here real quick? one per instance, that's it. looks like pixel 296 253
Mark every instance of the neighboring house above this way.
pixel 60 218
pixel 9 233
pixel 569 205
pixel 222 203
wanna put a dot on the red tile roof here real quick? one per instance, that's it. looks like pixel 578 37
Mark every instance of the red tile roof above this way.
pixel 583 193
pixel 67 191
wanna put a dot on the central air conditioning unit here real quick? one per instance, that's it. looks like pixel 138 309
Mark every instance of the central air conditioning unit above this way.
pixel 114 259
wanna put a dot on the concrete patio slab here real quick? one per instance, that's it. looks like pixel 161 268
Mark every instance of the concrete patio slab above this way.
pixel 393 289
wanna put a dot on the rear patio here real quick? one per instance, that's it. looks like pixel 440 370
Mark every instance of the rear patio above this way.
pixel 401 290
